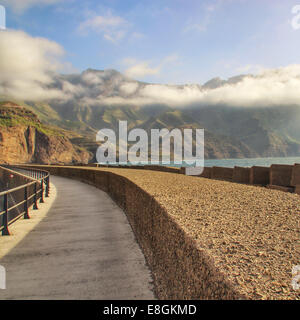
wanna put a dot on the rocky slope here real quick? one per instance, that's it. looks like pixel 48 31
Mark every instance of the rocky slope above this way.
pixel 24 139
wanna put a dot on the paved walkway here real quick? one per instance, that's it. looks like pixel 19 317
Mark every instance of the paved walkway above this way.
pixel 83 249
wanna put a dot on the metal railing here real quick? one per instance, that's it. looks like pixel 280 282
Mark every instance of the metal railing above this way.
pixel 16 202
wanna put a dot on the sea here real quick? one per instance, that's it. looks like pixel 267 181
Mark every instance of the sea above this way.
pixel 230 163
pixel 249 162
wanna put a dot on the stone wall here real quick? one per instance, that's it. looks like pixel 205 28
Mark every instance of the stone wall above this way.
pixel 206 172
pixel 281 175
pixel 295 181
pixel 285 176
pixel 241 175
pixel 222 173
pixel 260 175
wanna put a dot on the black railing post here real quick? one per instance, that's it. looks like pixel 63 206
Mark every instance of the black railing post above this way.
pixel 47 186
pixel 42 191
pixel 35 206
pixel 26 214
pixel 5 231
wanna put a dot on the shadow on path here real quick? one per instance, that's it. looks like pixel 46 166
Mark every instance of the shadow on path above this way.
pixel 83 249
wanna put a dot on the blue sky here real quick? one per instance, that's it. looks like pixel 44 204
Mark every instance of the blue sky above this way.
pixel 164 41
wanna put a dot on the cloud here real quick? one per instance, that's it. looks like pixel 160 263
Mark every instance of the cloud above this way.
pixel 202 24
pixel 129 88
pixel 27 66
pixel 140 69
pixel 20 6
pixel 274 87
pixel 113 28
pixel 91 79
pixel 101 22
pixel 30 69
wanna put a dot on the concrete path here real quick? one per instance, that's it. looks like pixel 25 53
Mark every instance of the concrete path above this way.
pixel 84 248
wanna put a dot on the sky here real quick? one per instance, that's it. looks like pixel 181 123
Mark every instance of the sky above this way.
pixel 163 41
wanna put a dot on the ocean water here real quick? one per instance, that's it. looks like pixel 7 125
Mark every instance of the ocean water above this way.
pixel 246 162
pixel 249 162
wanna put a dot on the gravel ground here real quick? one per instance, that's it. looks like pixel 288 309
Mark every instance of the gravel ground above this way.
pixel 252 233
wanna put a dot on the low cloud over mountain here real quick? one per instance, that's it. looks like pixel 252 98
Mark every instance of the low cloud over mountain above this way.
pixel 30 70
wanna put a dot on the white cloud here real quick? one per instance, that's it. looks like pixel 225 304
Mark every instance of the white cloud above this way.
pixel 91 79
pixel 113 28
pixel 140 69
pixel 101 22
pixel 29 69
pixel 27 66
pixel 20 6
pixel 129 88
pixel 274 87
pixel 202 24
pixel 115 36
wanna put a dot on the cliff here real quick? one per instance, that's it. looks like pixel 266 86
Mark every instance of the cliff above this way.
pixel 24 139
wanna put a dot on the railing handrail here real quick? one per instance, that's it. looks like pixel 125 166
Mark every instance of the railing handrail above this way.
pixel 37 194
pixel 27 169
pixel 47 174
pixel 17 188
pixel 7 168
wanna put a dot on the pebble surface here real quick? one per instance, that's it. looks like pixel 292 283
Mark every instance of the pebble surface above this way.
pixel 252 233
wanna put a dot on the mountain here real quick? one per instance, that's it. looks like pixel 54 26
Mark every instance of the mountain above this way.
pixel 218 82
pixel 23 139
pixel 97 99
